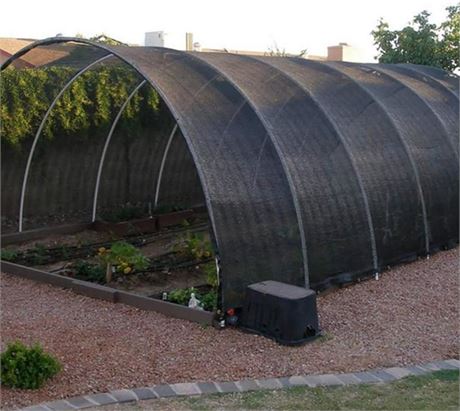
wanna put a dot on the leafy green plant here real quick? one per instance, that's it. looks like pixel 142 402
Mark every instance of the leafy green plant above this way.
pixel 123 257
pixel 194 246
pixel 65 252
pixel 209 301
pixel 38 254
pixel 27 367
pixel 182 295
pixel 86 271
pixel 8 254
pixel 210 270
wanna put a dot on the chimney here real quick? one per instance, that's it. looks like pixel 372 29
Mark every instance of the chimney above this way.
pixel 188 41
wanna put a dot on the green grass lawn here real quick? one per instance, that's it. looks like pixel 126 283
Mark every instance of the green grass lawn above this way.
pixel 436 391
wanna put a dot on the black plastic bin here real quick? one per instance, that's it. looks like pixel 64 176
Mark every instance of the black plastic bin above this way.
pixel 284 312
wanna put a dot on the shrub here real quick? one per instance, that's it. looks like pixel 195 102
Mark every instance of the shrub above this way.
pixel 26 367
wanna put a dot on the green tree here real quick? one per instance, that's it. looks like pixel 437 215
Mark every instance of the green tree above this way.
pixel 449 44
pixel 421 42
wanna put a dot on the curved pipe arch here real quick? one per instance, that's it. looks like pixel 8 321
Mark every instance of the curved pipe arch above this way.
pixel 386 72
pixel 162 166
pixel 425 71
pixel 404 145
pixel 345 145
pixel 443 104
pixel 40 129
pixel 424 194
pixel 287 172
pixel 106 145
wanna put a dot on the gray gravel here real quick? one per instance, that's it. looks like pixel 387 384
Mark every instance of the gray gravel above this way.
pixel 409 316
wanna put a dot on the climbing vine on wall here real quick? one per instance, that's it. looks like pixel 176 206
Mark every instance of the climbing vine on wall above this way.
pixel 89 104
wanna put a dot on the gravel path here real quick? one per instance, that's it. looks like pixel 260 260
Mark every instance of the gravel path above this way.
pixel 409 316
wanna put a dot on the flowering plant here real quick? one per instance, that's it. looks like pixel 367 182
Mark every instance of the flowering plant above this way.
pixel 122 258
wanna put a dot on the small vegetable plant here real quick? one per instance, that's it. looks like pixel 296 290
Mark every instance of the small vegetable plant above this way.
pixel 209 300
pixel 182 296
pixel 212 278
pixel 194 246
pixel 26 367
pixel 89 271
pixel 8 255
pixel 38 254
pixel 122 258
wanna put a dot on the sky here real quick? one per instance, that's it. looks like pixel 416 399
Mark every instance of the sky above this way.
pixel 293 25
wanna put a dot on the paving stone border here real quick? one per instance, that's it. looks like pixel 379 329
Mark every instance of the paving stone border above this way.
pixel 198 388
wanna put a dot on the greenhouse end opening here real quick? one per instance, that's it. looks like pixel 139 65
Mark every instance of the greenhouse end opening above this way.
pixel 187 177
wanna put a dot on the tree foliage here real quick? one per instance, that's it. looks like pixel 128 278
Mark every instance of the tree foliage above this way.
pixel 88 104
pixel 275 51
pixel 421 42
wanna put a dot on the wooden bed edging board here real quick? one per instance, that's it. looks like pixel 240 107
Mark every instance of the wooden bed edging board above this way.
pixel 143 225
pixel 109 294
pixel 13 238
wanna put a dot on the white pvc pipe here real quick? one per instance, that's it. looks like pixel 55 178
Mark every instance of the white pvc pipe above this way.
pixel 162 165
pixel 106 145
pixel 40 128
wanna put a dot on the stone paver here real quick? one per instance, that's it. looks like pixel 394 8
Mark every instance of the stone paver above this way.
pixel 398 372
pixel 285 382
pixel 349 379
pixel 330 379
pixel 297 380
pixel 416 370
pixel 432 367
pixel 173 390
pixel 383 375
pixel 186 389
pixel 102 399
pixel 269 383
pixel 227 387
pixel 455 364
pixel 367 378
pixel 60 405
pixel 80 402
pixel 247 385
pixel 124 395
pixel 207 387
pixel 144 393
pixel 164 391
